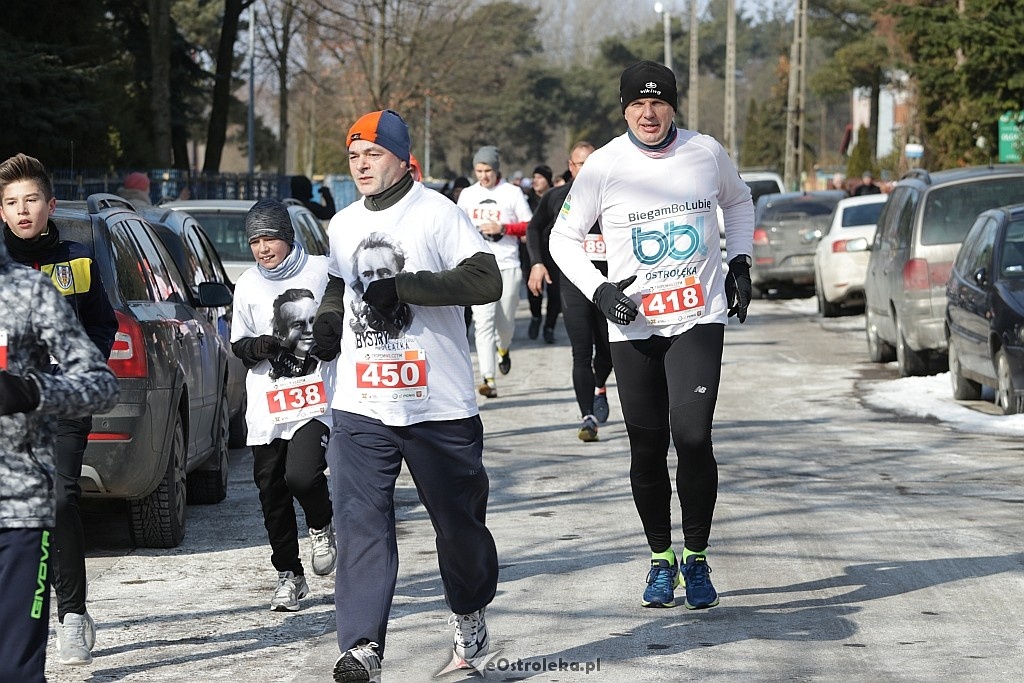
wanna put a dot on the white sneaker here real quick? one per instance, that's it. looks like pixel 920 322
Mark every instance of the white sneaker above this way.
pixel 290 589
pixel 324 553
pixel 361 664
pixel 470 641
pixel 75 639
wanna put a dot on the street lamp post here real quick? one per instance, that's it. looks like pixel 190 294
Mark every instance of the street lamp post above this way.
pixel 667 21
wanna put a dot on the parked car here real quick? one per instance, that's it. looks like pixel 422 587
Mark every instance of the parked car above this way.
pixel 787 228
pixel 196 257
pixel 841 258
pixel 985 310
pixel 224 222
pixel 170 365
pixel 760 184
pixel 919 234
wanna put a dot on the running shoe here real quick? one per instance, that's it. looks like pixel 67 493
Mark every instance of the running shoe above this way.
pixel 504 361
pixel 588 429
pixel 549 335
pixel 700 594
pixel 470 640
pixel 361 664
pixel 290 589
pixel 661 583
pixel 75 639
pixel 601 408
pixel 324 552
pixel 534 328
pixel 488 389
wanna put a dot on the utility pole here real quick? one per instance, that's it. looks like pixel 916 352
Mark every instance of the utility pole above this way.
pixel 794 161
pixel 730 79
pixel 251 122
pixel 666 21
pixel 691 115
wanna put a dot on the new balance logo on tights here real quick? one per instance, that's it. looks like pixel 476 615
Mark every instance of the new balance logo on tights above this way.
pixel 700 390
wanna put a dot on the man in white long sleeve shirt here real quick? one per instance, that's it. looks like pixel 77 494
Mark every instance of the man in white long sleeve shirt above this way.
pixel 655 191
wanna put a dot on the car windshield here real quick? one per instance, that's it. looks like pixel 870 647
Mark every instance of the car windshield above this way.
pixel 798 209
pixel 862 214
pixel 227 232
pixel 949 212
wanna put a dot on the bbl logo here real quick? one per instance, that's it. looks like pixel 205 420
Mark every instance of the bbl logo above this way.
pixel 679 242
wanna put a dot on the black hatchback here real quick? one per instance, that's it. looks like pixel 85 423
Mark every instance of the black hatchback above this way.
pixel 985 310
pixel 170 365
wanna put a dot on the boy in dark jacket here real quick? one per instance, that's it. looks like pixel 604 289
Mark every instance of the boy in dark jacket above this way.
pixel 31 238
pixel 36 324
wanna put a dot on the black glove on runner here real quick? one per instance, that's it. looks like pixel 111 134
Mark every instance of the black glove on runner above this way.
pixel 737 288
pixel 17 394
pixel 381 294
pixel 615 305
pixel 327 329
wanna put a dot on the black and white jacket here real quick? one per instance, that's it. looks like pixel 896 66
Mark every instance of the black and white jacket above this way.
pixel 37 323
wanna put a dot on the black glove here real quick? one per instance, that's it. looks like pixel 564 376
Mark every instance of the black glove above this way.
pixel 265 346
pixel 382 294
pixel 323 354
pixel 615 305
pixel 737 288
pixel 327 329
pixel 391 320
pixel 17 394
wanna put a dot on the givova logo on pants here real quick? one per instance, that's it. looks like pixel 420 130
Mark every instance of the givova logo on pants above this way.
pixel 676 241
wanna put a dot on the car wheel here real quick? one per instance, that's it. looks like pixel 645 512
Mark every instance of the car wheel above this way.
pixel 158 520
pixel 879 351
pixel 237 429
pixel 1006 393
pixel 963 388
pixel 911 363
pixel 209 484
pixel 826 307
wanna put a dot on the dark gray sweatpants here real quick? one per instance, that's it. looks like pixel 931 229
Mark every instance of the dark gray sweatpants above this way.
pixel 445 459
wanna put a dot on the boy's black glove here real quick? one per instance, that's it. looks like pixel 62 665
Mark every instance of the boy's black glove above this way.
pixel 17 394
pixel 615 305
pixel 382 294
pixel 265 346
pixel 327 329
pixel 738 288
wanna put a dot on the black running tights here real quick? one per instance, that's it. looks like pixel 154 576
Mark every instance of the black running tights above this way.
pixel 668 388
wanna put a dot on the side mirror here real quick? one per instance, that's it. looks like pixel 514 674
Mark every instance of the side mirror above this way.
pixel 214 295
pixel 981 277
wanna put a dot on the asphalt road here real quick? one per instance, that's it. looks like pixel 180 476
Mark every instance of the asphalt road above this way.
pixel 849 544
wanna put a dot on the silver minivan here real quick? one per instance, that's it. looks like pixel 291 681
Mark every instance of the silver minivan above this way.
pixel 918 236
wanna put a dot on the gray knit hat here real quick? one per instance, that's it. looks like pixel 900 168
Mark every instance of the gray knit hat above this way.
pixel 269 218
pixel 488 154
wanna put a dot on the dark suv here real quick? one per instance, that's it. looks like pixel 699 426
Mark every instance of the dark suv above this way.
pixel 170 364
pixel 919 234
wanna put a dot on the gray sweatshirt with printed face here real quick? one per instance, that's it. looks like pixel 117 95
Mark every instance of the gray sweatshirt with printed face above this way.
pixel 38 323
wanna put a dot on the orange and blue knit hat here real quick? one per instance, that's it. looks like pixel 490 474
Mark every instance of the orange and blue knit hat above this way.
pixel 385 128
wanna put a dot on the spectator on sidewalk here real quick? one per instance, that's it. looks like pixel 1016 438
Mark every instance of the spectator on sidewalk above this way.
pixel 302 189
pixel 135 189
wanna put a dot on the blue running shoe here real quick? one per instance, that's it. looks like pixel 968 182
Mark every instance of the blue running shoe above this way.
pixel 661 583
pixel 700 594
pixel 601 408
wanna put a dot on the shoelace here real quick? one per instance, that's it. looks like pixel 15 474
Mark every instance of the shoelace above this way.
pixel 318 536
pixel 75 631
pixel 661 578
pixel 466 623
pixel 697 574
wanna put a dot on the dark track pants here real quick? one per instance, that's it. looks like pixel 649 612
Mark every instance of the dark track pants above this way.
pixel 294 468
pixel 668 388
pixel 69 580
pixel 25 607
pixel 588 337
pixel 445 460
